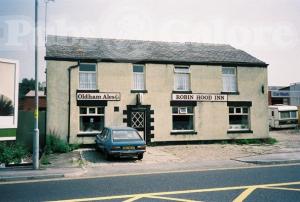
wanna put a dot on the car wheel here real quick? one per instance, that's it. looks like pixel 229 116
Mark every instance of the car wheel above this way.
pixel 140 156
pixel 107 156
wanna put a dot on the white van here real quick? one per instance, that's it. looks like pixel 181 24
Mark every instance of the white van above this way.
pixel 283 116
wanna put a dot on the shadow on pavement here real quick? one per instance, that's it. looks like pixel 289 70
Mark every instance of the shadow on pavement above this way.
pixel 93 156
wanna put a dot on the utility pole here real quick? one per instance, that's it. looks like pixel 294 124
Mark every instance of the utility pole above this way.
pixel 36 146
pixel 46 15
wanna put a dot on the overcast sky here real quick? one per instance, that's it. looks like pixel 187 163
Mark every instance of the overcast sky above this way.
pixel 267 29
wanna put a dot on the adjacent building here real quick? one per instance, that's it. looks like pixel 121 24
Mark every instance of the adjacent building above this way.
pixel 8 99
pixel 27 103
pixel 287 95
pixel 170 92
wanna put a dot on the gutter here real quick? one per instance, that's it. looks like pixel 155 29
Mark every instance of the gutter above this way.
pixel 69 103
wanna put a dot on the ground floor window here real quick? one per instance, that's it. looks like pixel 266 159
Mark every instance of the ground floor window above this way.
pixel 183 118
pixel 239 118
pixel 91 119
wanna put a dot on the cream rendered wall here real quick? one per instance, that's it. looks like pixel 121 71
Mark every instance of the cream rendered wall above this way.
pixel 211 118
pixel 116 77
pixel 250 83
pixel 159 83
pixel 57 97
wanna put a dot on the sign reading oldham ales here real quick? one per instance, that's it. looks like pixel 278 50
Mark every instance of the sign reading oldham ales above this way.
pixel 199 97
pixel 99 96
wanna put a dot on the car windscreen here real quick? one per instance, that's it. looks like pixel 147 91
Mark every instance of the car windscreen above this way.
pixel 125 135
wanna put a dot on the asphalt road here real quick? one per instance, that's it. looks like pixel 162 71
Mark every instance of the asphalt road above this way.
pixel 276 183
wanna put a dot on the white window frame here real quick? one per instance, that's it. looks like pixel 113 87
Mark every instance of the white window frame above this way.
pixel 182 70
pixel 91 114
pixel 135 86
pixel 93 85
pixel 183 112
pixel 237 127
pixel 229 80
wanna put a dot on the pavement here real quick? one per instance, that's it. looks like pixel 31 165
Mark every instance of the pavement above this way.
pixel 164 159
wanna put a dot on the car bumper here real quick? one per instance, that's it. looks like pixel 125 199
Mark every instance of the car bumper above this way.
pixel 126 152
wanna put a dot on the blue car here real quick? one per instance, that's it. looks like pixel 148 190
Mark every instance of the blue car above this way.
pixel 120 142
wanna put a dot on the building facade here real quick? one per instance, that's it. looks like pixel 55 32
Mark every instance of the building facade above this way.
pixel 170 92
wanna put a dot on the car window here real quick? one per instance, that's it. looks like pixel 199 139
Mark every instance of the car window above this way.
pixel 125 135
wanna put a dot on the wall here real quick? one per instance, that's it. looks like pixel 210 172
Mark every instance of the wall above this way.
pixel 26 126
pixel 28 103
pixel 117 77
pixel 58 97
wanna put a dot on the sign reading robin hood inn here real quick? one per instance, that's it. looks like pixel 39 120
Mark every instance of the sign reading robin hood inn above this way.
pixel 99 96
pixel 200 97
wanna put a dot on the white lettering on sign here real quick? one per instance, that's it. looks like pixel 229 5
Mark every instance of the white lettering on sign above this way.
pixel 99 96
pixel 200 97
pixel 280 94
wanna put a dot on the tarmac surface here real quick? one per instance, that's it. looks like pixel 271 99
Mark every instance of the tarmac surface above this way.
pixel 89 163
pixel 269 183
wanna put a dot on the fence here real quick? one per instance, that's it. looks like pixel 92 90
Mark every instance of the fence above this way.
pixel 26 126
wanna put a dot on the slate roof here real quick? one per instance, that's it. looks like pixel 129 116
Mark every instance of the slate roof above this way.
pixel 118 50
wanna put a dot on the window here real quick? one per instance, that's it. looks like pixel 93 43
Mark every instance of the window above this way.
pixel 288 115
pixel 119 136
pixel 239 118
pixel 87 76
pixel 182 78
pixel 138 77
pixel 91 119
pixel 229 79
pixel 183 118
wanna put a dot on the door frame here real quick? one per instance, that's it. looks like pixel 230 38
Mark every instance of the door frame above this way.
pixel 147 119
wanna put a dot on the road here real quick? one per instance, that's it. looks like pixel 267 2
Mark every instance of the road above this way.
pixel 272 183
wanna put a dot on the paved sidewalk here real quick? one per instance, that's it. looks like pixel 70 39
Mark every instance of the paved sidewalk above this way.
pixel 27 173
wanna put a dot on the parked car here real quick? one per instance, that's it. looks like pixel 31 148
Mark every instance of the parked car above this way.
pixel 120 142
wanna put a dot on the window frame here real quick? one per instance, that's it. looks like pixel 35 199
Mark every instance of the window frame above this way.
pixel 185 73
pixel 183 114
pixel 94 72
pixel 290 115
pixel 235 80
pixel 138 73
pixel 241 113
pixel 88 114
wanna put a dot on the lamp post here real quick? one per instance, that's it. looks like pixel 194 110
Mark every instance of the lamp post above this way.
pixel 46 10
pixel 35 149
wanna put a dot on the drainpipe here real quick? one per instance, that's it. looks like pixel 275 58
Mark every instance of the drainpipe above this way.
pixel 69 113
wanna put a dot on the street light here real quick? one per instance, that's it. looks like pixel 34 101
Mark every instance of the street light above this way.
pixel 46 10
pixel 35 149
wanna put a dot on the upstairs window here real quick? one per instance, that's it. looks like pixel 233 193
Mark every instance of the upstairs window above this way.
pixel 182 78
pixel 87 76
pixel 229 79
pixel 138 77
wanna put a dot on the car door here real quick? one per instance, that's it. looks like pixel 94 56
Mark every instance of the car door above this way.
pixel 100 139
pixel 106 140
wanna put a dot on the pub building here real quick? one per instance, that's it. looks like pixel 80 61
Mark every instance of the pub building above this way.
pixel 169 91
